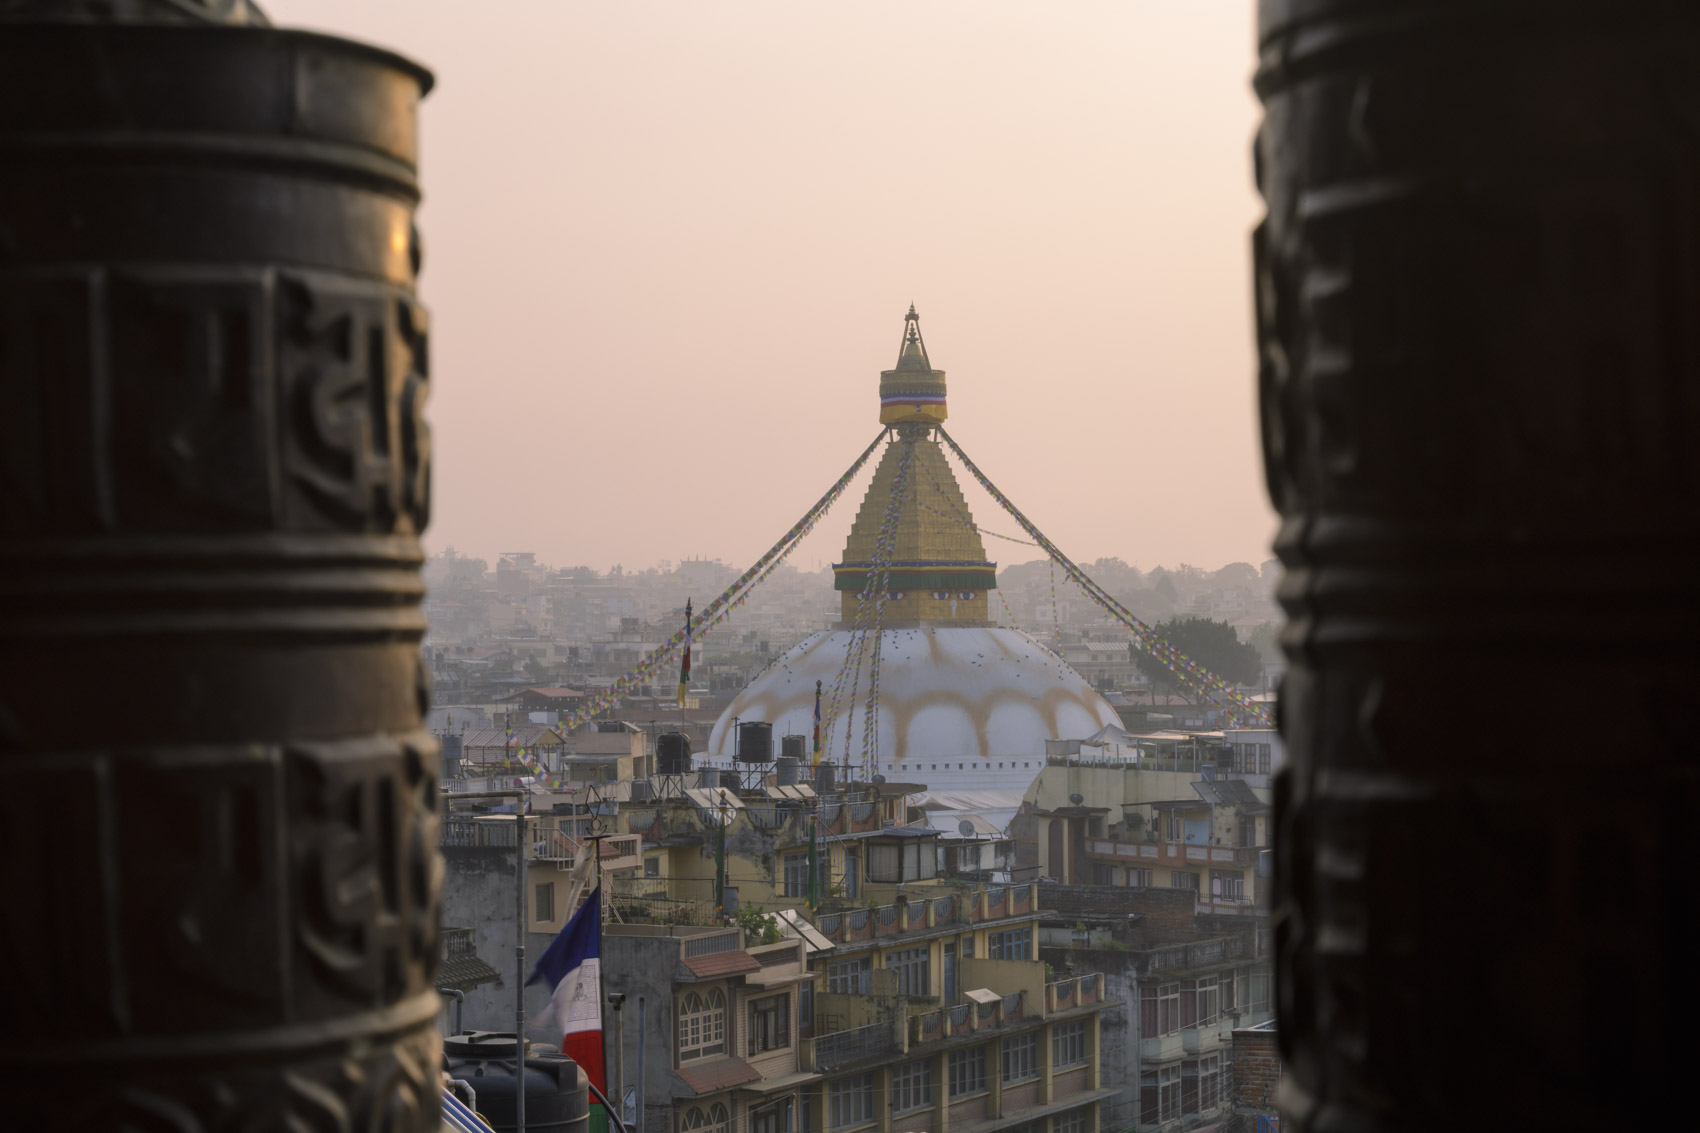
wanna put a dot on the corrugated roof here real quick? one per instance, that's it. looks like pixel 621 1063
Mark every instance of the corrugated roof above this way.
pixel 465 972
pixel 721 1074
pixel 717 964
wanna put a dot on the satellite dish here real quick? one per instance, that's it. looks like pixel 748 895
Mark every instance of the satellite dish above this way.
pixel 879 778
pixel 965 828
pixel 1077 799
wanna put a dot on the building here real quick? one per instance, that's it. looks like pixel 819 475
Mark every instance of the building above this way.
pixel 1182 983
pixel 1175 815
pixel 1258 1074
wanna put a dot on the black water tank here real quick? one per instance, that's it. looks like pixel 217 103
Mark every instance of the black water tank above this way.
pixel 794 746
pixel 755 742
pixel 785 771
pixel 673 753
pixel 556 1097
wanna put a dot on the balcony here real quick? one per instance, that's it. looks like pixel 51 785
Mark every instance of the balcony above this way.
pixel 1076 991
pixel 922 914
pixel 1143 852
pixel 966 1018
pixel 845 1048
pixel 1201 1039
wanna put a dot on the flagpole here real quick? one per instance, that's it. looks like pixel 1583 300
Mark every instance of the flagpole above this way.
pixel 523 836
pixel 595 841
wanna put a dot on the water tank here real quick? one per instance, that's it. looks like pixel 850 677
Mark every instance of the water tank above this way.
pixel 673 753
pixel 642 790
pixel 555 1095
pixel 794 746
pixel 785 771
pixel 823 779
pixel 731 780
pixel 451 756
pixel 755 742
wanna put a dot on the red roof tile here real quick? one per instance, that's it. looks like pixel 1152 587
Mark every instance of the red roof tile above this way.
pixel 721 1074
pixel 722 964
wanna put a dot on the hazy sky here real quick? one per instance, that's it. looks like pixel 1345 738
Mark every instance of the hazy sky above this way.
pixel 669 246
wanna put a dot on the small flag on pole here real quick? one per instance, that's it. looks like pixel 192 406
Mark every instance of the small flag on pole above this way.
pixel 685 660
pixel 572 967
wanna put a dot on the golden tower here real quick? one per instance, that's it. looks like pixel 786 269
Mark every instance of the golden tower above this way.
pixel 939 573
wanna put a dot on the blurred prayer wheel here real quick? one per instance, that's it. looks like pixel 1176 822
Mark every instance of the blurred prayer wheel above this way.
pixel 1480 380
pixel 217 802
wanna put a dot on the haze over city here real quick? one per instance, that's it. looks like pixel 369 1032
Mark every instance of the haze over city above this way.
pixel 668 249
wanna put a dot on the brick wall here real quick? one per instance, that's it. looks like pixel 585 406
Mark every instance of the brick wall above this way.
pixel 1257 1069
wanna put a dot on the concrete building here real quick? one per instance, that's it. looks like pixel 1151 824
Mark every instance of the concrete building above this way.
pixel 1181 983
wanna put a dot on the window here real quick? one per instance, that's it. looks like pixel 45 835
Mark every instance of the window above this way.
pixel 796 875
pixel 1180 879
pixel 912 1085
pixel 805 1008
pixel 913 859
pixel 1068 1044
pixel 1263 759
pixel 1074 1121
pixel 702 1025
pixel 850 977
pixel 1139 878
pixel 1189 1086
pixel 1227 886
pixel 1169 1092
pixel 1021 1058
pixel 775 1118
pixel 967 1071
pixel 1199 1002
pixel 850 1101
pixel 1175 827
pixel 1011 944
pixel 1227 986
pixel 546 901
pixel 912 968
pixel 1103 874
pixel 710 1119
pixel 1159 1010
pixel 1209 1082
pixel 652 867
pixel 770 1023
pixel 1259 989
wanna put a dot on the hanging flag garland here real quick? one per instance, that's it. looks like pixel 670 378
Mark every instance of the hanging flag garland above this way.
pixel 1144 636
pixel 717 611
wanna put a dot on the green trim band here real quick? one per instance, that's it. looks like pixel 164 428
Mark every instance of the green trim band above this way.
pixel 920 580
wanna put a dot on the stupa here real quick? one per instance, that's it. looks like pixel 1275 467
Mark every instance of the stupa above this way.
pixel 963 703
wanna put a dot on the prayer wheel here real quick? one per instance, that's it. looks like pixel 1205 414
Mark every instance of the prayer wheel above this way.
pixel 217 802
pixel 1479 368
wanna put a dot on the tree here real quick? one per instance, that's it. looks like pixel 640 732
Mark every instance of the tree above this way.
pixel 1212 644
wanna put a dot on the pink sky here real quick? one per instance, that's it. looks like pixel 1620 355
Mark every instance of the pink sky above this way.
pixel 668 249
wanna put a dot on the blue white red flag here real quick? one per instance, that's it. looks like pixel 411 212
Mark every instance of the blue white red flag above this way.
pixel 572 967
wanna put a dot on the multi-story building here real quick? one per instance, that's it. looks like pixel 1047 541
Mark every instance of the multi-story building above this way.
pixel 937 1016
pixel 721 1021
pixel 1181 981
pixel 1177 819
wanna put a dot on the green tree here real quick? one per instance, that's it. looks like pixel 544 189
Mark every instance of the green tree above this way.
pixel 1212 644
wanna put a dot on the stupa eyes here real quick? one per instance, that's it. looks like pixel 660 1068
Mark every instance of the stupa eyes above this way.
pixel 966 595
pixel 941 595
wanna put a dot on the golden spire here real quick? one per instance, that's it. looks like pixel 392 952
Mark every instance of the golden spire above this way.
pixel 914 391
pixel 939 573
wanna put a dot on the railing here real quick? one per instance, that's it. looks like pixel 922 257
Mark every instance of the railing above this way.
pixel 1012 1004
pixel 829 925
pixel 459 942
pixel 860 813
pixel 1076 991
pixel 472 832
pixel 886 917
pixel 926 1027
pixel 959 1018
pixel 1021 899
pixel 710 943
pixel 944 910
pixel 845 1047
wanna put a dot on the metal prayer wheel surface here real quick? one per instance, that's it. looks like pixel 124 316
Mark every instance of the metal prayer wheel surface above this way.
pixel 217 806
pixel 1477 288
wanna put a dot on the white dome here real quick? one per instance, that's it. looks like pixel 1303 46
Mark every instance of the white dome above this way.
pixel 960 692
